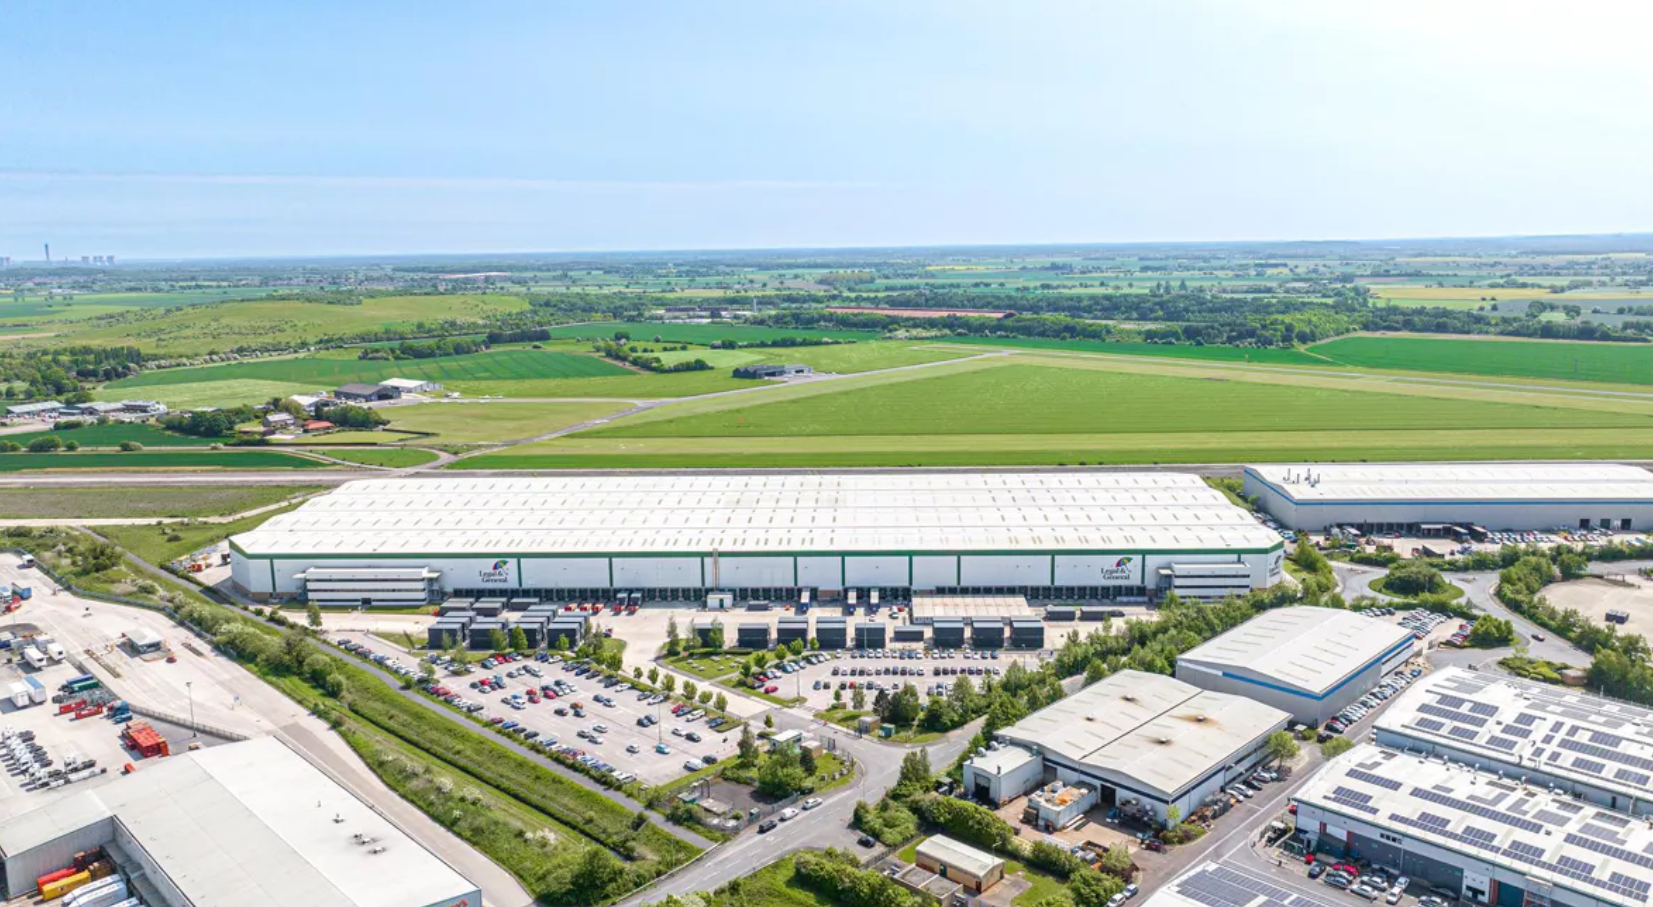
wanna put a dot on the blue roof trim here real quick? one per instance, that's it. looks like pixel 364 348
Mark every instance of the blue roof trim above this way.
pixel 1340 685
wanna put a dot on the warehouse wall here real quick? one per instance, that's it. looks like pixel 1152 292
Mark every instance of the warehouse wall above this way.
pixel 1120 569
pixel 657 572
pixel 934 571
pixel 23 868
pixel 565 572
pixel 1004 570
pixel 820 572
pixel 875 571
pixel 739 572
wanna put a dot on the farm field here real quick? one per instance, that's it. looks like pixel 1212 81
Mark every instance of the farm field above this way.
pixel 630 386
pixel 1622 363
pixel 87 305
pixel 1169 351
pixel 232 392
pixel 203 328
pixel 142 501
pixel 484 423
pixel 181 460
pixel 112 434
pixel 392 457
pixel 320 371
pixel 697 333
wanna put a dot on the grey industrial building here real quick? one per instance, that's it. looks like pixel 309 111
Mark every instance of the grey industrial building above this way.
pixel 1027 634
pixel 947 632
pixel 987 633
pixel 1441 498
pixel 1132 736
pixel 754 636
pixel 1599 750
pixel 832 632
pixel 870 635
pixel 1487 837
pixel 790 629
pixel 907 633
pixel 1310 662
pixel 248 824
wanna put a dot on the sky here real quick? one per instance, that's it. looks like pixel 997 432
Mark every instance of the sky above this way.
pixel 203 129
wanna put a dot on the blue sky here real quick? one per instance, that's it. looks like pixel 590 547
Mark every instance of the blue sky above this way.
pixel 189 129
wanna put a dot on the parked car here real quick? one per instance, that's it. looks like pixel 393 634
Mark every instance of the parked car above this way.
pixel 766 826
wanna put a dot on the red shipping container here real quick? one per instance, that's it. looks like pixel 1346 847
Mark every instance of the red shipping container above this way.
pixel 51 877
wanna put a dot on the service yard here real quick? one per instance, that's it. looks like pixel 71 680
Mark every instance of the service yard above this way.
pixel 815 679
pixel 1628 592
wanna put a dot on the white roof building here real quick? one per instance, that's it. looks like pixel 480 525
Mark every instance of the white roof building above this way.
pixel 1493 495
pixel 1219 885
pixel 1309 661
pixel 242 825
pixel 1485 828
pixel 948 852
pixel 1148 735
pixel 1601 749
pixel 410 385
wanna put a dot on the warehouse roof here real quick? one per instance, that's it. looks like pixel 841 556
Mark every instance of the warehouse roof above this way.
pixel 1088 512
pixel 1215 885
pixel 948 852
pixel 1555 838
pixel 1311 649
pixel 1159 731
pixel 1599 742
pixel 253 825
pixel 1323 483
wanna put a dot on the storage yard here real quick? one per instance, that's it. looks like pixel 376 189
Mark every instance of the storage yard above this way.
pixel 1073 536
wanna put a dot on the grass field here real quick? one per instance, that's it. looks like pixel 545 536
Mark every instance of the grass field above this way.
pixel 722 359
pixel 141 501
pixel 203 328
pixel 1168 351
pixel 86 305
pixel 483 423
pixel 182 460
pixel 160 544
pixel 697 333
pixel 393 457
pixel 113 434
pixel 1622 363
pixel 208 392
pixel 317 371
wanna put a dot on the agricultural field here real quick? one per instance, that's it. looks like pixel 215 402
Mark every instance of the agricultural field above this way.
pixel 325 371
pixel 112 434
pixel 145 501
pixel 160 460
pixel 36 308
pixel 1260 356
pixel 229 392
pixel 221 326
pixel 697 333
pixel 1024 410
pixel 389 457
pixel 488 423
pixel 1621 363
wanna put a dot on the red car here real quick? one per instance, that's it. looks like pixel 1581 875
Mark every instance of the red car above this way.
pixel 771 688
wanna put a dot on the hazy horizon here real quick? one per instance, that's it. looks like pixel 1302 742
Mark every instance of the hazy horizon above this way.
pixel 379 129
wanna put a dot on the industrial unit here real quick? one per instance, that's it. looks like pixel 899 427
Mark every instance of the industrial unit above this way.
pixel 1310 662
pixel 247 824
pixel 1486 836
pixel 870 635
pixel 753 636
pixel 1132 736
pixel 1438 498
pixel 832 632
pixel 1218 885
pixel 956 861
pixel 1600 750
pixel 1072 536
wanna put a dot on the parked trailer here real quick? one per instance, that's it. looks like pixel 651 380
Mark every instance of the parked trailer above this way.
pixel 51 891
pixel 22 592
pixel 105 893
pixel 37 690
pixel 35 658
pixel 69 686
pixel 20 695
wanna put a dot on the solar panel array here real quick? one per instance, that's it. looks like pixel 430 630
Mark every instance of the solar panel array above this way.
pixel 1220 886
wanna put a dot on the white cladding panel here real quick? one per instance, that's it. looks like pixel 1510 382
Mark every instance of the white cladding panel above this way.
pixel 1004 570
pixel 875 571
pixel 245 573
pixel 736 572
pixel 658 572
pixel 1099 570
pixel 565 572
pixel 286 576
pixel 820 572
pixel 470 572
pixel 933 571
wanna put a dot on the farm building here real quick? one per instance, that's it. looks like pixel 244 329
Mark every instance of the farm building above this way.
pixel 44 409
pixel 1076 536
pixel 1311 662
pixel 367 393
pixel 1485 837
pixel 1554 737
pixel 411 385
pixel 1132 736
pixel 248 824
pixel 1454 498
pixel 770 370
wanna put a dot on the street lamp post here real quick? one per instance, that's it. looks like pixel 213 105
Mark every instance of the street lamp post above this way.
pixel 189 685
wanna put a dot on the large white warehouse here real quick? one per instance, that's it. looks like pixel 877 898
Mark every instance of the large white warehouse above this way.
pixel 1075 536
pixel 1434 497
pixel 1310 662
pixel 1594 748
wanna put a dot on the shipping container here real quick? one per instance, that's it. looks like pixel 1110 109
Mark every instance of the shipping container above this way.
pixel 51 891
pixel 54 876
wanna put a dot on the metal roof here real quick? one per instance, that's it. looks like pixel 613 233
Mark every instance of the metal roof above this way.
pixel 639 515
pixel 1591 851
pixel 252 824
pixel 1217 885
pixel 1312 649
pixel 1458 482
pixel 1160 732
pixel 948 852
pixel 1602 743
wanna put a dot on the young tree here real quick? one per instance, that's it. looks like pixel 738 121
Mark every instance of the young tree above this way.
pixel 746 670
pixel 705 697
pixel 690 689
pixel 858 700
pixel 796 647
pixel 1173 816
pixel 668 682
pixel 519 639
pixel 637 673
pixel 760 660
pixel 721 703
pixel 672 641
pixel 654 675
pixel 806 761
pixel 1281 746
pixel 497 640
pixel 748 745
pixel 915 769
pixel 714 637
pixel 769 720
pixel 562 642
pixel 312 615
pixel 837 698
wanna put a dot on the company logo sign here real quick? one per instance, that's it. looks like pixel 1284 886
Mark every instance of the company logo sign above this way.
pixel 498 574
pixel 1120 571
pixel 1276 562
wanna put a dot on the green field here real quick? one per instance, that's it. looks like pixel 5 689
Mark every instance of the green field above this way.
pixel 145 501
pixel 1268 356
pixel 182 460
pixel 86 305
pixel 1620 363
pixel 483 423
pixel 266 323
pixel 643 331
pixel 721 359
pixel 112 434
pixel 392 457
pixel 207 393
pixel 317 371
